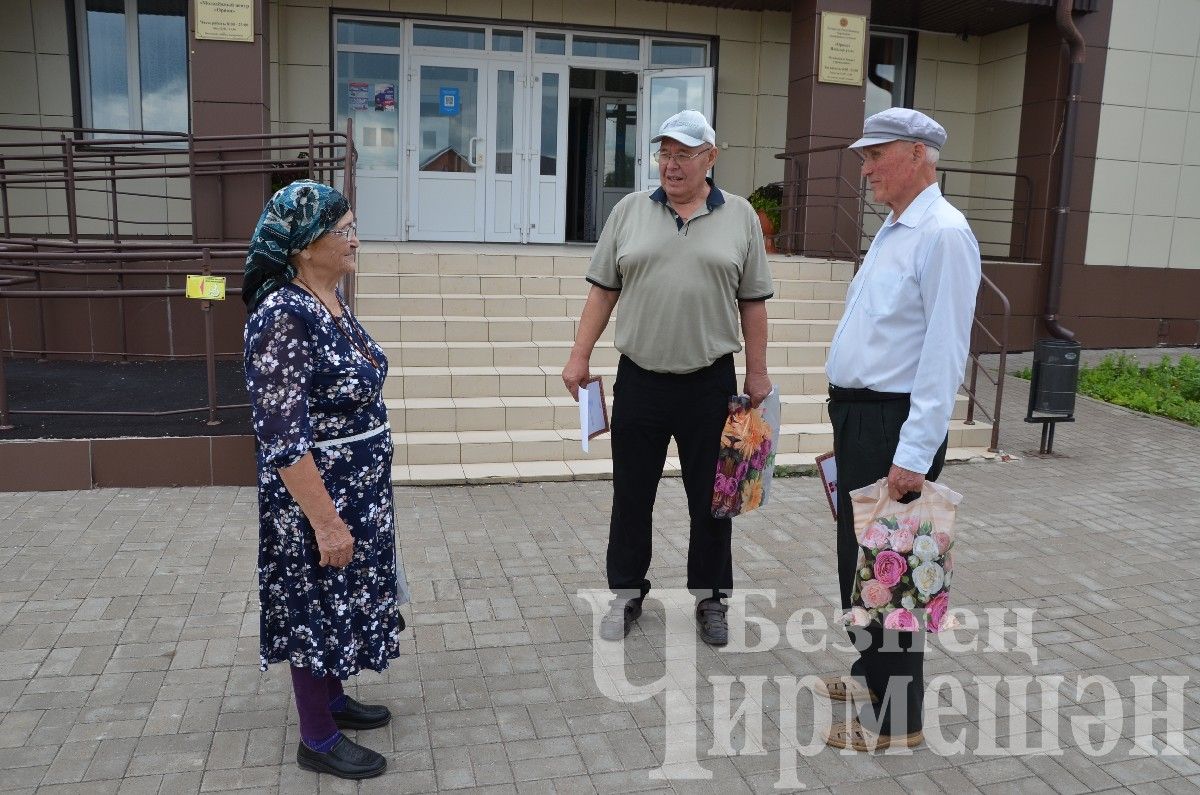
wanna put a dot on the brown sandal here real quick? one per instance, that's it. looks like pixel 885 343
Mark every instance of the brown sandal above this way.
pixel 844 688
pixel 855 736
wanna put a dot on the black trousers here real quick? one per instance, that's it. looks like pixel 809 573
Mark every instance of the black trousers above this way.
pixel 866 432
pixel 648 409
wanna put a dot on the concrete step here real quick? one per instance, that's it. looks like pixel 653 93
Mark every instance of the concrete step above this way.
pixel 393 285
pixel 596 467
pixel 465 328
pixel 479 382
pixel 554 353
pixel 570 261
pixel 445 414
pixel 484 306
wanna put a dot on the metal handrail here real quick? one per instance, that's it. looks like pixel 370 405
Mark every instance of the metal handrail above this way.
pixel 798 192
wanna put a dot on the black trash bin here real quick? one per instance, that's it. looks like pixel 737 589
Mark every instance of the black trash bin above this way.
pixel 1052 386
pixel 1055 378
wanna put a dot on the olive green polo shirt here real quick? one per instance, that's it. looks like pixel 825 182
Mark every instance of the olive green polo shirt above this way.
pixel 681 281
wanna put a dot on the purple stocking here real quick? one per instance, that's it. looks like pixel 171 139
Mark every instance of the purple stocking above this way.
pixel 337 696
pixel 317 729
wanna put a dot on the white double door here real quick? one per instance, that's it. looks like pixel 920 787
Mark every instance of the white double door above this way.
pixel 485 155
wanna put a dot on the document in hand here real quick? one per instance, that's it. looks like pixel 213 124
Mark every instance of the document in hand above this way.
pixel 827 469
pixel 746 463
pixel 593 413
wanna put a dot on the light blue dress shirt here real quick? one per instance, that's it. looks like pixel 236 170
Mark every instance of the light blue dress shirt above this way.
pixel 907 324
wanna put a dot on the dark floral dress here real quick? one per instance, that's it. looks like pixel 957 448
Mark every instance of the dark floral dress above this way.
pixel 307 385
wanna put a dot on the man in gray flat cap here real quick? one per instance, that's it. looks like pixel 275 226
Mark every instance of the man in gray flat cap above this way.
pixel 688 264
pixel 895 364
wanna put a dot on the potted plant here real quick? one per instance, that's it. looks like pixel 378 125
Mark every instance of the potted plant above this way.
pixel 766 201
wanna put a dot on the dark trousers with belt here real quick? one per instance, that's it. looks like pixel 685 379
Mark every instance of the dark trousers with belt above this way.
pixel 866 432
pixel 648 409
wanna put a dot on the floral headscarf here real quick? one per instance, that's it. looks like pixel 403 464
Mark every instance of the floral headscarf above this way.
pixel 294 217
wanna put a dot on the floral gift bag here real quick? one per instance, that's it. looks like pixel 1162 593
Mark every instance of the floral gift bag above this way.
pixel 904 561
pixel 747 459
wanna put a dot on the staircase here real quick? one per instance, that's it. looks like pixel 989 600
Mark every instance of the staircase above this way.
pixel 477 336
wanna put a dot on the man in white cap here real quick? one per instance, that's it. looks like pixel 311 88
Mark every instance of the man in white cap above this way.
pixel 687 262
pixel 896 361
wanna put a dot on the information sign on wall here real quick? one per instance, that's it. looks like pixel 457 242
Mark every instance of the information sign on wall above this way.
pixel 843 48
pixel 225 20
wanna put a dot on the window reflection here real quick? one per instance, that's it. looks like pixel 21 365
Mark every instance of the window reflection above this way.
pixel 448 129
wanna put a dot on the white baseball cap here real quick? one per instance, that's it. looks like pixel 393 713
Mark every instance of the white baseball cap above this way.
pixel 901 124
pixel 689 127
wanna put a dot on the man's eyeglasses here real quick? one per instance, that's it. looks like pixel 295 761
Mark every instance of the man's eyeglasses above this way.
pixel 346 232
pixel 679 158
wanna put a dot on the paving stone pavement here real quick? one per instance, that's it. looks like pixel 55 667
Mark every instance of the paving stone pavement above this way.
pixel 128 636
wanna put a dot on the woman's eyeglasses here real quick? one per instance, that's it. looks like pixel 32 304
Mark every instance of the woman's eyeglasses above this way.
pixel 346 232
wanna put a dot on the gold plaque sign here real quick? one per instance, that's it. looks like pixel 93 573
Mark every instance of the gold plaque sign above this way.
pixel 225 20
pixel 843 48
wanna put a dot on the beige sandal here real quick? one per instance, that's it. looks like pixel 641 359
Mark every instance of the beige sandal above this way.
pixel 855 736
pixel 844 688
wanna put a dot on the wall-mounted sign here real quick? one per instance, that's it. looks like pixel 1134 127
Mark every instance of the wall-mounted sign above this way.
pixel 208 288
pixel 385 96
pixel 225 20
pixel 843 48
pixel 448 101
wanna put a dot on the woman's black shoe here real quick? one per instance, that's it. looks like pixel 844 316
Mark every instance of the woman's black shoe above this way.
pixel 361 716
pixel 346 759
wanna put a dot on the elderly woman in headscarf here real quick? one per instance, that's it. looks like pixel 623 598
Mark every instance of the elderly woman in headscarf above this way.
pixel 329 582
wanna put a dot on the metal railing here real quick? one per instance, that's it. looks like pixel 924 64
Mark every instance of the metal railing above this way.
pixel 92 173
pixel 825 212
pixel 53 255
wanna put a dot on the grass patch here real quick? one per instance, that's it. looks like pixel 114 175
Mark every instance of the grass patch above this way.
pixel 1164 389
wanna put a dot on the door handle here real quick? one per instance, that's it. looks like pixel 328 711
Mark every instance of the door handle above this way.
pixel 474 151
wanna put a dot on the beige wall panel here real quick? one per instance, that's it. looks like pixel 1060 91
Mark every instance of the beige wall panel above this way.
pixel 1163 136
pixel 771 120
pixel 960 135
pixel 54 84
pixel 1189 192
pixel 601 13
pixel 1191 141
pixel 1157 189
pixel 952 48
pixel 1120 134
pixel 1111 182
pixel 16 32
pixel 1003 131
pixel 1133 23
pixel 1178 28
pixel 1150 241
pixel 767 168
pixel 273 79
pixel 416 6
pixel 1126 78
pixel 738 70
pixel 548 10
pixel 1004 44
pixel 925 90
pixel 735 119
pixel 20 77
pixel 1169 77
pixel 956 87
pixel 365 5
pixel 26 202
pixel 473 8
pixel 298 99
pixel 735 170
pixel 740 25
pixel 1008 83
pixel 311 3
pixel 773 68
pixel 641 15
pixel 273 34
pixel 691 19
pixel 305 36
pixel 1185 244
pixel 516 9
pixel 1108 239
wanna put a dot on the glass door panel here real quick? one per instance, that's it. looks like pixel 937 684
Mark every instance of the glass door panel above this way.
pixel 548 162
pixel 367 90
pixel 505 199
pixel 618 154
pixel 665 92
pixel 449 151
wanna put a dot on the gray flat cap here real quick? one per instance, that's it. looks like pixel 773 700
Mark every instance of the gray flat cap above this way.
pixel 901 124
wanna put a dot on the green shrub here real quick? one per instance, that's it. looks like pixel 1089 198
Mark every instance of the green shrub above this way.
pixel 768 198
pixel 1165 389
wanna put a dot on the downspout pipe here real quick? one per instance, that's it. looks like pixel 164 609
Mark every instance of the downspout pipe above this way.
pixel 1074 40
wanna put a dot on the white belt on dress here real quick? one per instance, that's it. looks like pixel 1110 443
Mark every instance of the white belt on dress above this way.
pixel 358 437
